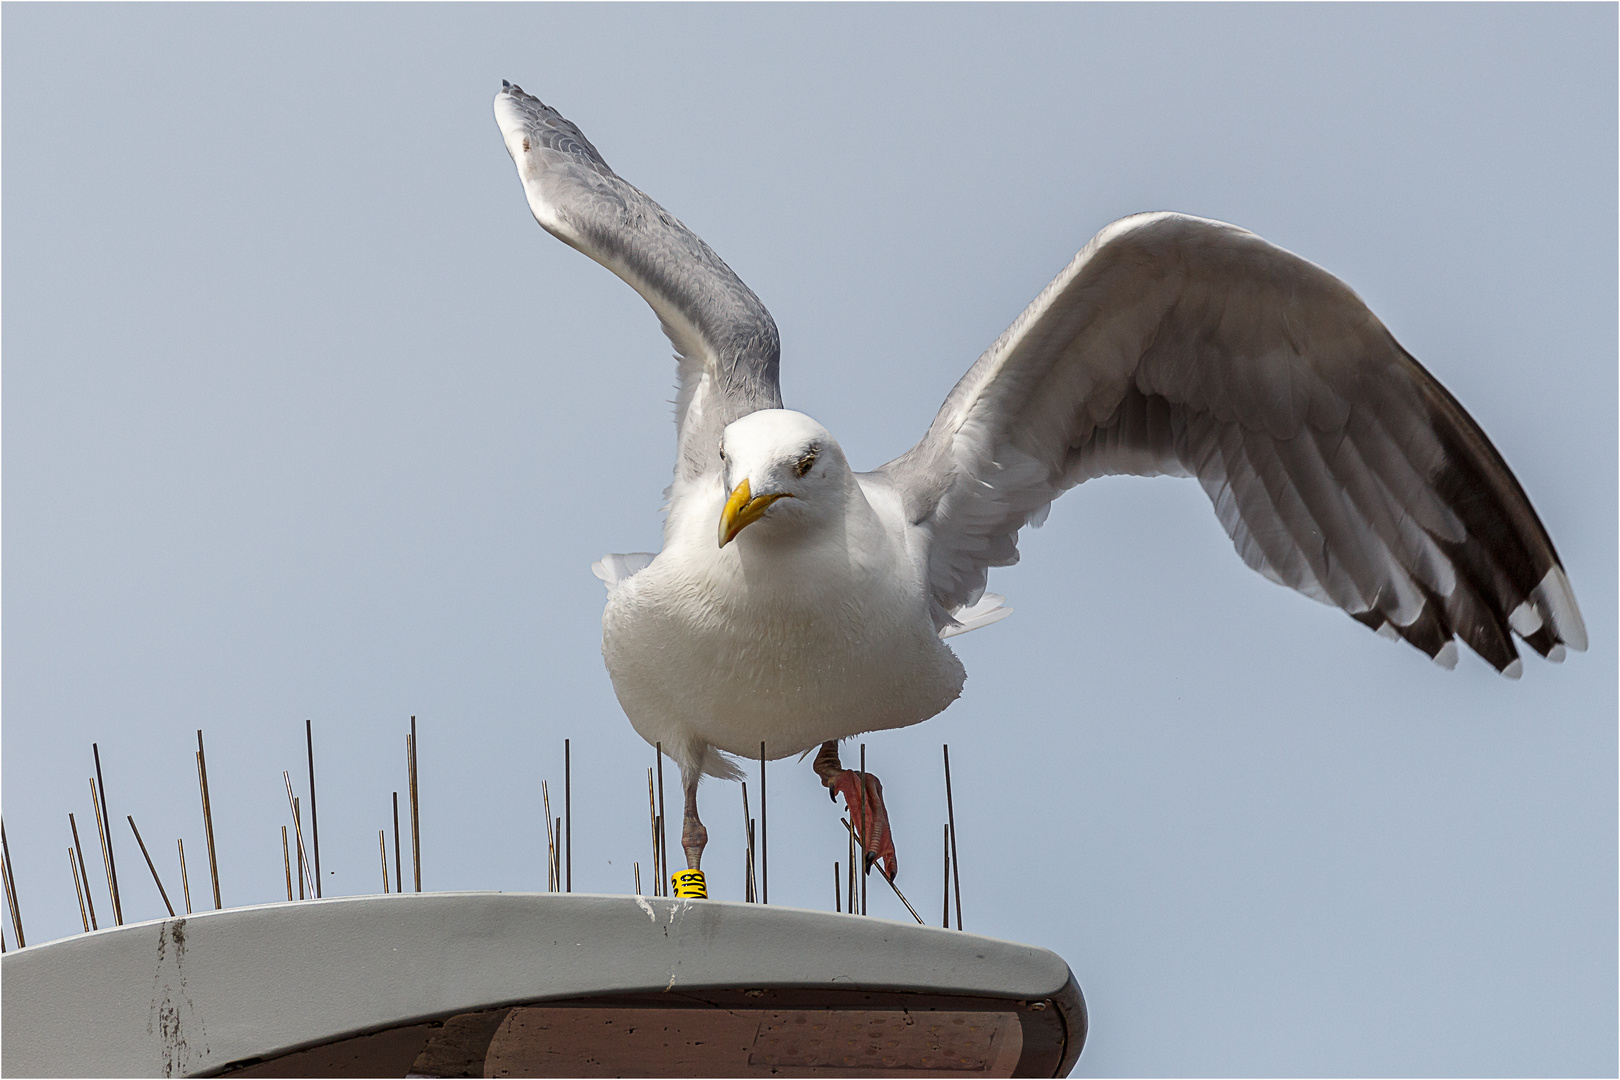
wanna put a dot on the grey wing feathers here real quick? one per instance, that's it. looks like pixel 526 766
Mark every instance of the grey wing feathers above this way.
pixel 726 340
pixel 1339 467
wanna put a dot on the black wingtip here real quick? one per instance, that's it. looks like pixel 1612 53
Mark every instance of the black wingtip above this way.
pixel 505 85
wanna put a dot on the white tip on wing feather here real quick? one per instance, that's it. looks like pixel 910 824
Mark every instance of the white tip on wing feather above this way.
pixel 1525 619
pixel 1556 601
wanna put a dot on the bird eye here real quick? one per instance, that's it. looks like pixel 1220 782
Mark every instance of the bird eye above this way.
pixel 806 462
pixel 722 451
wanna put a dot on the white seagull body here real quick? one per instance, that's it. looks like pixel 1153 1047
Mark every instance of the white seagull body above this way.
pixel 791 635
pixel 797 603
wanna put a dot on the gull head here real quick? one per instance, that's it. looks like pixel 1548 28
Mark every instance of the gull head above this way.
pixel 781 462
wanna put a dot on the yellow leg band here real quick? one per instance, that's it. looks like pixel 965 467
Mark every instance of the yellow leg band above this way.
pixel 689 885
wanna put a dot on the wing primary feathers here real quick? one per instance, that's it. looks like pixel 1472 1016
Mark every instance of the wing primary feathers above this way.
pixel 1336 463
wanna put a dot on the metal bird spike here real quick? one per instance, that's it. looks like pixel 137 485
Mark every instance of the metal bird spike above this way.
pixel 748 849
pixel 106 865
pixel 764 833
pixel 10 882
pixel 74 870
pixel 416 820
pixel 568 816
pixel 298 835
pixel 551 840
pixel 314 822
pixel 11 878
pixel 946 832
pixel 185 883
pixel 884 874
pixel 399 867
pixel 89 899
pixel 866 856
pixel 638 877
pixel 851 889
pixel 11 904
pixel 950 815
pixel 286 862
pixel 838 900
pixel 410 803
pixel 150 865
pixel 753 880
pixel 112 863
pixel 382 849
pixel 663 839
pixel 410 794
pixel 208 817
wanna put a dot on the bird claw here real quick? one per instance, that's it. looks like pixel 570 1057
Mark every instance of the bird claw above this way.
pixel 870 816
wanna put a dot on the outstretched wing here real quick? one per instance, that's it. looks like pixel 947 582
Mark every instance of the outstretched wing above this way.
pixel 725 338
pixel 1178 346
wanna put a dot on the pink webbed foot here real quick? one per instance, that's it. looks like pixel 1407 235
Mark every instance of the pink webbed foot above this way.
pixel 870 817
pixel 866 809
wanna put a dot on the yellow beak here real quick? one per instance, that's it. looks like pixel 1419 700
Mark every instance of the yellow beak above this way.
pixel 742 510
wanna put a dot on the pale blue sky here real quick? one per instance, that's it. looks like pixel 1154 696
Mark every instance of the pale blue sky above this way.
pixel 305 417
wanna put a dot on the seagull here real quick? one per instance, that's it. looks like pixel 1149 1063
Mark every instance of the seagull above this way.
pixel 797 602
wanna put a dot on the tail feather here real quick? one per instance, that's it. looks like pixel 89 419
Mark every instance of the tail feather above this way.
pixel 615 569
pixel 990 608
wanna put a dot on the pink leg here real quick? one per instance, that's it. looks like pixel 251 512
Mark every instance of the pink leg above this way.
pixel 694 837
pixel 866 809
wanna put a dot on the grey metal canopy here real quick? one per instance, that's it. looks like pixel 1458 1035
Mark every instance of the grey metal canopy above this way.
pixel 535 984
